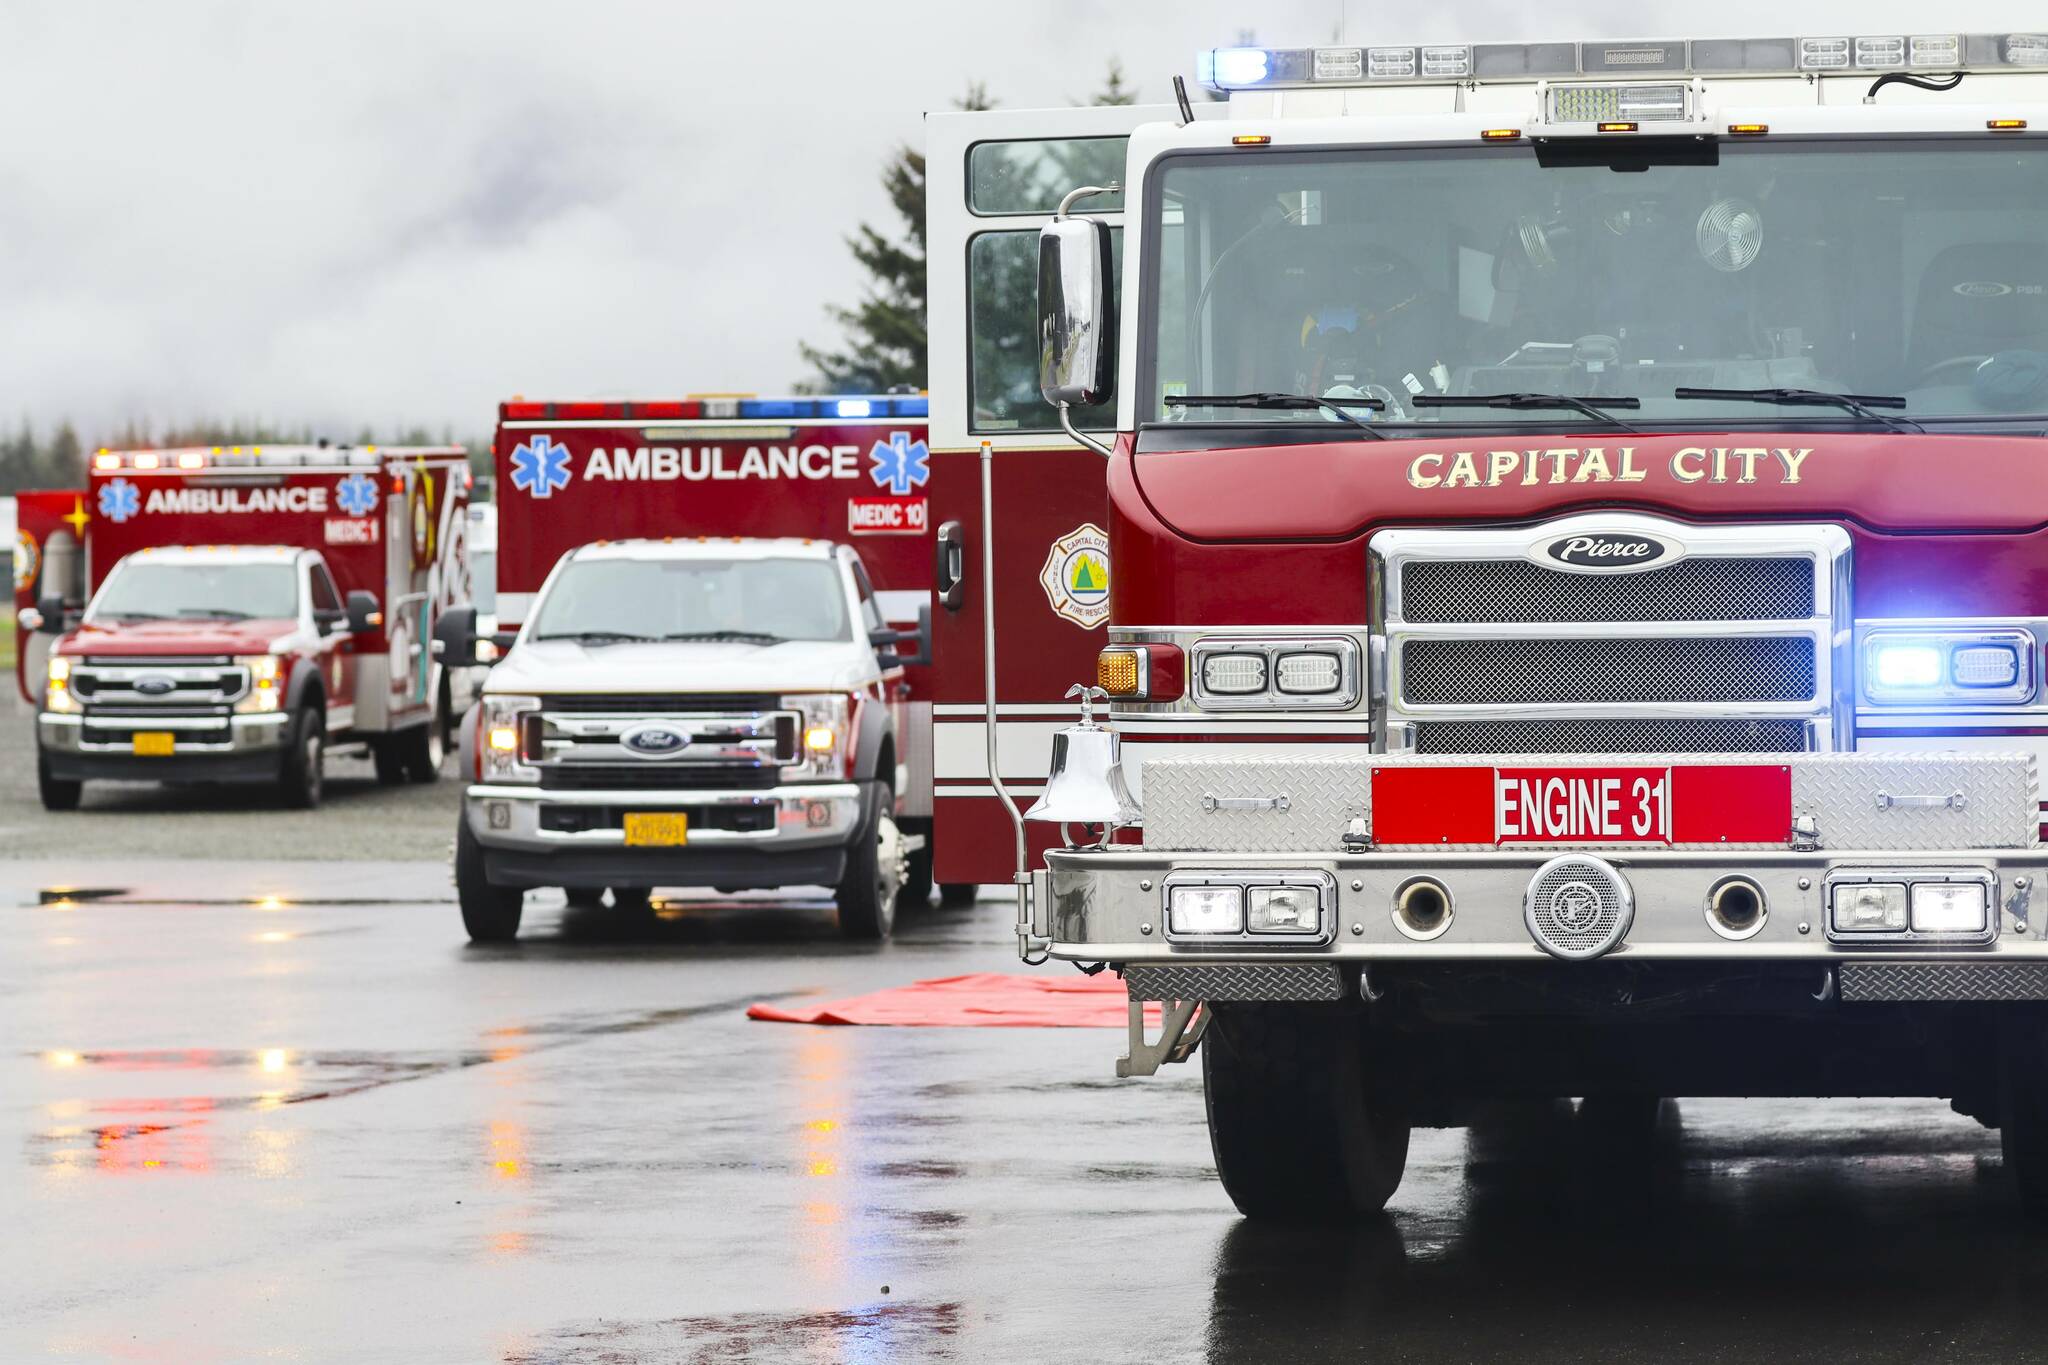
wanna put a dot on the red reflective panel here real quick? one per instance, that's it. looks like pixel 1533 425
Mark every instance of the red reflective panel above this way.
pixel 671 409
pixel 573 411
pixel 514 412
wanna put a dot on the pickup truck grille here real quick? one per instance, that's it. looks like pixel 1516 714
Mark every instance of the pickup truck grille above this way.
pixel 1728 645
pixel 732 741
pixel 157 686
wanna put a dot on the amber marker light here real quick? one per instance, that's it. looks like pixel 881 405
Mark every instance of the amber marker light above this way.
pixel 1748 129
pixel 1617 127
pixel 1500 134
pixel 2006 125
pixel 1251 140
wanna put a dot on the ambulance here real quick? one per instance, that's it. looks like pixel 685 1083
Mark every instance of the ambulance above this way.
pixel 741 497
pixel 232 615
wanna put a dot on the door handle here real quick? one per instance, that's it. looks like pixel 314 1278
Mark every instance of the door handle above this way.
pixel 949 574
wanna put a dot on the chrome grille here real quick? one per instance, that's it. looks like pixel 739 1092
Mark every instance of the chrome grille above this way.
pixel 582 742
pixel 1607 670
pixel 1610 736
pixel 1516 590
pixel 1730 643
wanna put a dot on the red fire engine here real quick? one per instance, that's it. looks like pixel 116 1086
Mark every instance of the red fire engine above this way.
pixel 244 611
pixel 850 469
pixel 1575 617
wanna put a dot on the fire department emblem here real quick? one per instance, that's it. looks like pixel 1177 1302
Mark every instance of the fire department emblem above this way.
pixel 1076 576
pixel 27 559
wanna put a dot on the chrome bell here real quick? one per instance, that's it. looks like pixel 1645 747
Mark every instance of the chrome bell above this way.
pixel 1087 782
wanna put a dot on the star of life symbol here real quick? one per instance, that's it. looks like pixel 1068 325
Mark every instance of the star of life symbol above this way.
pixel 356 495
pixel 540 465
pixel 119 500
pixel 900 465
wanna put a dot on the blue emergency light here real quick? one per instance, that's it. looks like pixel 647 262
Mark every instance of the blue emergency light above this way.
pixel 889 405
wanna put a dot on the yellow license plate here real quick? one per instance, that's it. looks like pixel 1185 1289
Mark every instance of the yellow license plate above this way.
pixel 155 743
pixel 657 829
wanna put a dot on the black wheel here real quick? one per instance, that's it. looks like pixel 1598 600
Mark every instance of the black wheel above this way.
pixel 390 763
pixel 874 872
pixel 490 913
pixel 1300 1132
pixel 916 892
pixel 303 771
pixel 2023 1115
pixel 957 895
pixel 422 748
pixel 58 793
pixel 583 897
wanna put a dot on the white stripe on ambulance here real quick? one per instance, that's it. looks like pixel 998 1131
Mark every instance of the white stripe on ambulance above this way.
pixel 700 463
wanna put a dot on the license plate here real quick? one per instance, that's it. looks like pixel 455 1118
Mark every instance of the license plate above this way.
pixel 1706 804
pixel 154 743
pixel 657 829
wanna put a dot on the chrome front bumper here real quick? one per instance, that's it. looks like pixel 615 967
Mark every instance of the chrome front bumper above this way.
pixel 806 816
pixel 69 733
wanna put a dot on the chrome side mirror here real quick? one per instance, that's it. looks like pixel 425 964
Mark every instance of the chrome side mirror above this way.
pixel 1076 313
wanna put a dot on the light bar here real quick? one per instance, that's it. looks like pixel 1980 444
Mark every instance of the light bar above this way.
pixel 1666 102
pixel 1262 68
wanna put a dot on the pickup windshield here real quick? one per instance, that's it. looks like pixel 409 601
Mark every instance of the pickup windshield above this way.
pixel 154 590
pixel 750 601
pixel 1907 269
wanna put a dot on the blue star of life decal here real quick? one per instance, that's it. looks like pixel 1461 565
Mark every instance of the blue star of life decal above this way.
pixel 901 465
pixel 356 495
pixel 119 500
pixel 540 465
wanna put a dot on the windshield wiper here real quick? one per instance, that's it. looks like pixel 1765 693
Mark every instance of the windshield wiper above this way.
pixel 597 637
pixel 137 615
pixel 760 636
pixel 215 613
pixel 1298 402
pixel 1590 406
pixel 1860 404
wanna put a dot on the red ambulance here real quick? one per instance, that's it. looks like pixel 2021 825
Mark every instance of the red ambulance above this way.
pixel 243 612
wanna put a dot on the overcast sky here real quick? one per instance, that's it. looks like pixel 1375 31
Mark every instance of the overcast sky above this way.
pixel 366 213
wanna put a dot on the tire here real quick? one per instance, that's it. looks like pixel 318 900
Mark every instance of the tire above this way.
pixel 2023 1115
pixel 958 895
pixel 1299 1131
pixel 875 869
pixel 390 763
pixel 490 913
pixel 303 773
pixel 58 793
pixel 422 749
pixel 583 897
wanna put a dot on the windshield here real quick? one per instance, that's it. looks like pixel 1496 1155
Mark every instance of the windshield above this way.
pixel 654 599
pixel 1902 269
pixel 231 592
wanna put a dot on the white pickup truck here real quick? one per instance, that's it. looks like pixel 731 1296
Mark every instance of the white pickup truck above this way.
pixel 722 713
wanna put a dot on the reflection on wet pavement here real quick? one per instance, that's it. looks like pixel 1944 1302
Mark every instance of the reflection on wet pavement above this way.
pixel 224 1145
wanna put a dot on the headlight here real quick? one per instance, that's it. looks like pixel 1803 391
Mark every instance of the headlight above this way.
pixel 266 677
pixel 57 694
pixel 508 737
pixel 1919 906
pixel 1951 667
pixel 823 734
pixel 1301 673
pixel 1266 905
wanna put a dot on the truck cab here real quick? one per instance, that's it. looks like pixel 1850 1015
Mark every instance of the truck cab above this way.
pixel 216 663
pixel 711 713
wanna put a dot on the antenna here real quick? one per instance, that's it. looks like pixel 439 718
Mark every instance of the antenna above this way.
pixel 1180 97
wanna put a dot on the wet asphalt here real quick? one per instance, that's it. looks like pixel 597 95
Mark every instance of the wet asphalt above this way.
pixel 280 1111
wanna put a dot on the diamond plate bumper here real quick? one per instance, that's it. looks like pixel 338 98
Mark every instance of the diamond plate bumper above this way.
pixel 1303 981
pixel 1954 981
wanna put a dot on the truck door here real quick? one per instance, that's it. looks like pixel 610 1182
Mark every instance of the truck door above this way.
pixel 338 662
pixel 992 180
pixel 49 557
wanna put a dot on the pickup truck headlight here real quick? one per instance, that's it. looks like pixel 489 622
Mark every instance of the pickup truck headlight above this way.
pixel 1948 667
pixel 57 693
pixel 508 738
pixel 266 683
pixel 824 734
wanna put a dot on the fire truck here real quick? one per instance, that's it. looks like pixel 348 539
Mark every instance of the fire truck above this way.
pixel 728 496
pixel 1555 530
pixel 244 612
